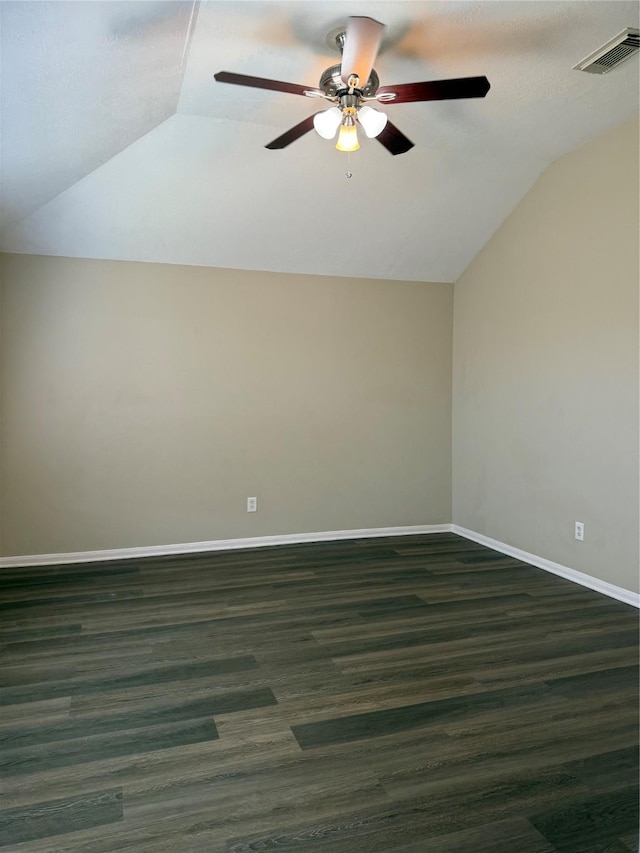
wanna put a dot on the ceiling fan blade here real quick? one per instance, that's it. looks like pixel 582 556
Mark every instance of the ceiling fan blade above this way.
pixel 262 83
pixel 361 45
pixel 292 134
pixel 394 140
pixel 437 90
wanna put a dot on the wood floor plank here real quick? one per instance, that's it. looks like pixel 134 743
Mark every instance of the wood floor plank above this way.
pixel 40 714
pixel 386 695
pixel 415 822
pixel 608 770
pixel 609 679
pixel 589 827
pixel 56 817
pixel 390 720
pixel 88 726
pixel 67 753
pixel 63 683
pixel 514 835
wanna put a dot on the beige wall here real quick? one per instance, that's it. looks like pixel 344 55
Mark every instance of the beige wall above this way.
pixel 143 403
pixel 545 400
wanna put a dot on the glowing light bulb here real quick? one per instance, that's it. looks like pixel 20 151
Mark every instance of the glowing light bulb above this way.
pixel 348 137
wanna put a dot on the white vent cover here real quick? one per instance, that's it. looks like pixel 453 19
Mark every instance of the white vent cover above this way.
pixel 615 51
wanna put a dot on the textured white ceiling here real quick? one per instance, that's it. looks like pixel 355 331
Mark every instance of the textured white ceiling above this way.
pixel 118 143
pixel 80 82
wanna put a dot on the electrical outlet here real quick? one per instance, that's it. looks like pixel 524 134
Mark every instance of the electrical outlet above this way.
pixel 580 531
pixel 252 504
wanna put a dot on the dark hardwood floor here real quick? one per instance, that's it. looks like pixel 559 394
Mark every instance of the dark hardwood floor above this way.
pixel 379 695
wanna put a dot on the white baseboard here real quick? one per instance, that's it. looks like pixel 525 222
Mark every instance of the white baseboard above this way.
pixel 596 584
pixel 217 545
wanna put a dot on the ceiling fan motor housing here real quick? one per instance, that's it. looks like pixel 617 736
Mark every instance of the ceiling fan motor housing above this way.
pixel 332 85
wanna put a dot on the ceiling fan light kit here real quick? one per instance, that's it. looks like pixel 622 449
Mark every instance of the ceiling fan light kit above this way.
pixel 342 86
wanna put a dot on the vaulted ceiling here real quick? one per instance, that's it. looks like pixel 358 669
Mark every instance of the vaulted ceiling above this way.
pixel 118 143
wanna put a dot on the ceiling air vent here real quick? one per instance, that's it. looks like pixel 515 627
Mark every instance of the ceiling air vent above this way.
pixel 615 51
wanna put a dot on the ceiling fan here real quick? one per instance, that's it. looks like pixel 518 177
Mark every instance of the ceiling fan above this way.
pixel 351 85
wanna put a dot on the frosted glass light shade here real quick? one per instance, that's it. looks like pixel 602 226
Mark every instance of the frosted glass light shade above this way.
pixel 348 138
pixel 373 121
pixel 327 123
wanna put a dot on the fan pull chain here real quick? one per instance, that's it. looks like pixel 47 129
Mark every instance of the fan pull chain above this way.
pixel 348 173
